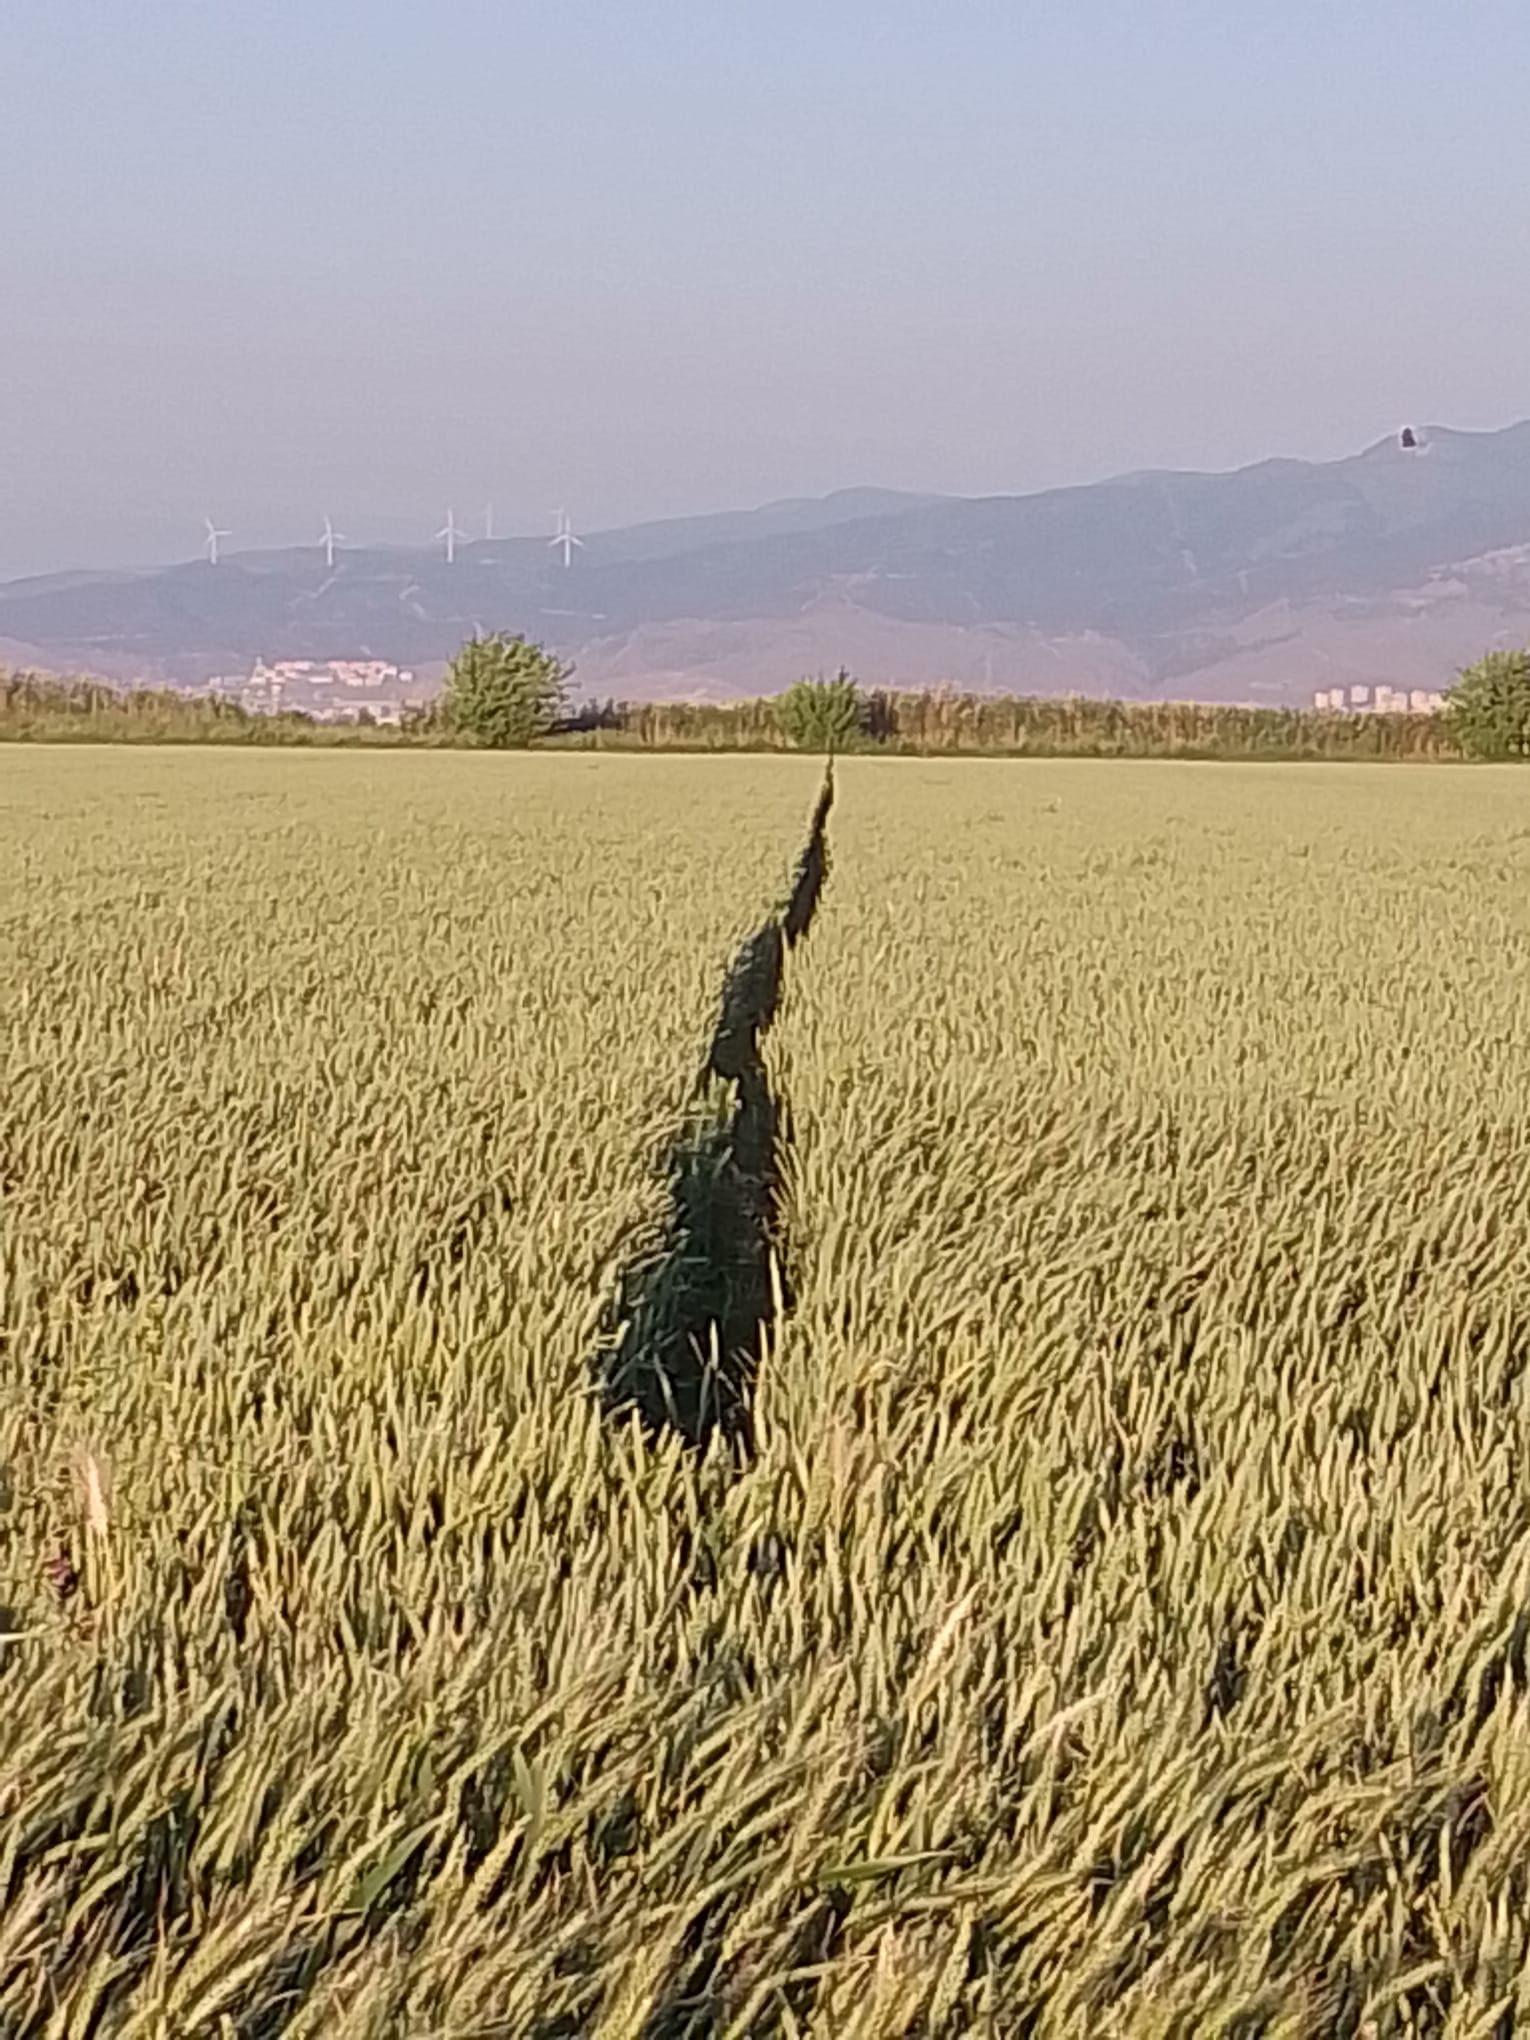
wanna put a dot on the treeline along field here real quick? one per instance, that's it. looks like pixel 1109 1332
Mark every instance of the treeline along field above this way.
pixel 1113 1617
pixel 947 722
pixel 36 708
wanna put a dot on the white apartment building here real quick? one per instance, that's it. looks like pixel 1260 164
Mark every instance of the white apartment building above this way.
pixel 1384 701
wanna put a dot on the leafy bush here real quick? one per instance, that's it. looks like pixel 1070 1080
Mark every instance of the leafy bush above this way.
pixel 822 715
pixel 1488 710
pixel 503 691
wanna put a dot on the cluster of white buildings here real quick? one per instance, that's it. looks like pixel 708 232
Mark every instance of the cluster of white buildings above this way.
pixel 356 673
pixel 1379 700
pixel 329 690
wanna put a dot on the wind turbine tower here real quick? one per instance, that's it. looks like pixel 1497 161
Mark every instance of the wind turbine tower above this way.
pixel 565 538
pixel 451 532
pixel 329 540
pixel 210 543
pixel 488 520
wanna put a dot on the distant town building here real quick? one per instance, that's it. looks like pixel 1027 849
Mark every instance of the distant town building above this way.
pixel 1385 700
pixel 374 686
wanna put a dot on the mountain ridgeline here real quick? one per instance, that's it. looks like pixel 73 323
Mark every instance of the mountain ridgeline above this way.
pixel 1397 564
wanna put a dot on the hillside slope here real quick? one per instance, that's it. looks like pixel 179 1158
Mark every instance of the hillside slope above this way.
pixel 1256 585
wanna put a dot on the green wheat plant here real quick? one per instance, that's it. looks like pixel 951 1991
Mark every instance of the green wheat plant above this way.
pixel 1118 1622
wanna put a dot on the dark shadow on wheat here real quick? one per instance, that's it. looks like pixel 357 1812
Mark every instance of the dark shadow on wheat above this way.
pixel 812 867
pixel 692 1320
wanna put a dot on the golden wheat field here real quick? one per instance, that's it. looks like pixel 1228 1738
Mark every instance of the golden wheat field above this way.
pixel 1096 1603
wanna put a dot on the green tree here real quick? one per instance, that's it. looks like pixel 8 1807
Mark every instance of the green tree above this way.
pixel 822 715
pixel 503 691
pixel 1488 709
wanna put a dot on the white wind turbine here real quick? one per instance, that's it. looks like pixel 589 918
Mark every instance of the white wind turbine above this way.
pixel 488 520
pixel 329 538
pixel 565 538
pixel 210 543
pixel 451 531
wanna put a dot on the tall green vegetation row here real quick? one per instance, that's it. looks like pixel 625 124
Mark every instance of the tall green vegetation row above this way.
pixel 512 697
pixel 947 721
pixel 42 708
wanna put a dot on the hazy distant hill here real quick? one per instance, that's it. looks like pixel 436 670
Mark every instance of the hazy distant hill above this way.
pixel 1255 585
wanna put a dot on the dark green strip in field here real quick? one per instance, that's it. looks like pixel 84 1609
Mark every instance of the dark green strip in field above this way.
pixel 693 1321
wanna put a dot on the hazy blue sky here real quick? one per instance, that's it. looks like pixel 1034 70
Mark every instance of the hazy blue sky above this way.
pixel 272 259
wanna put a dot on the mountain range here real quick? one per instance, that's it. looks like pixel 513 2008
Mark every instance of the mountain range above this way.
pixel 1398 564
